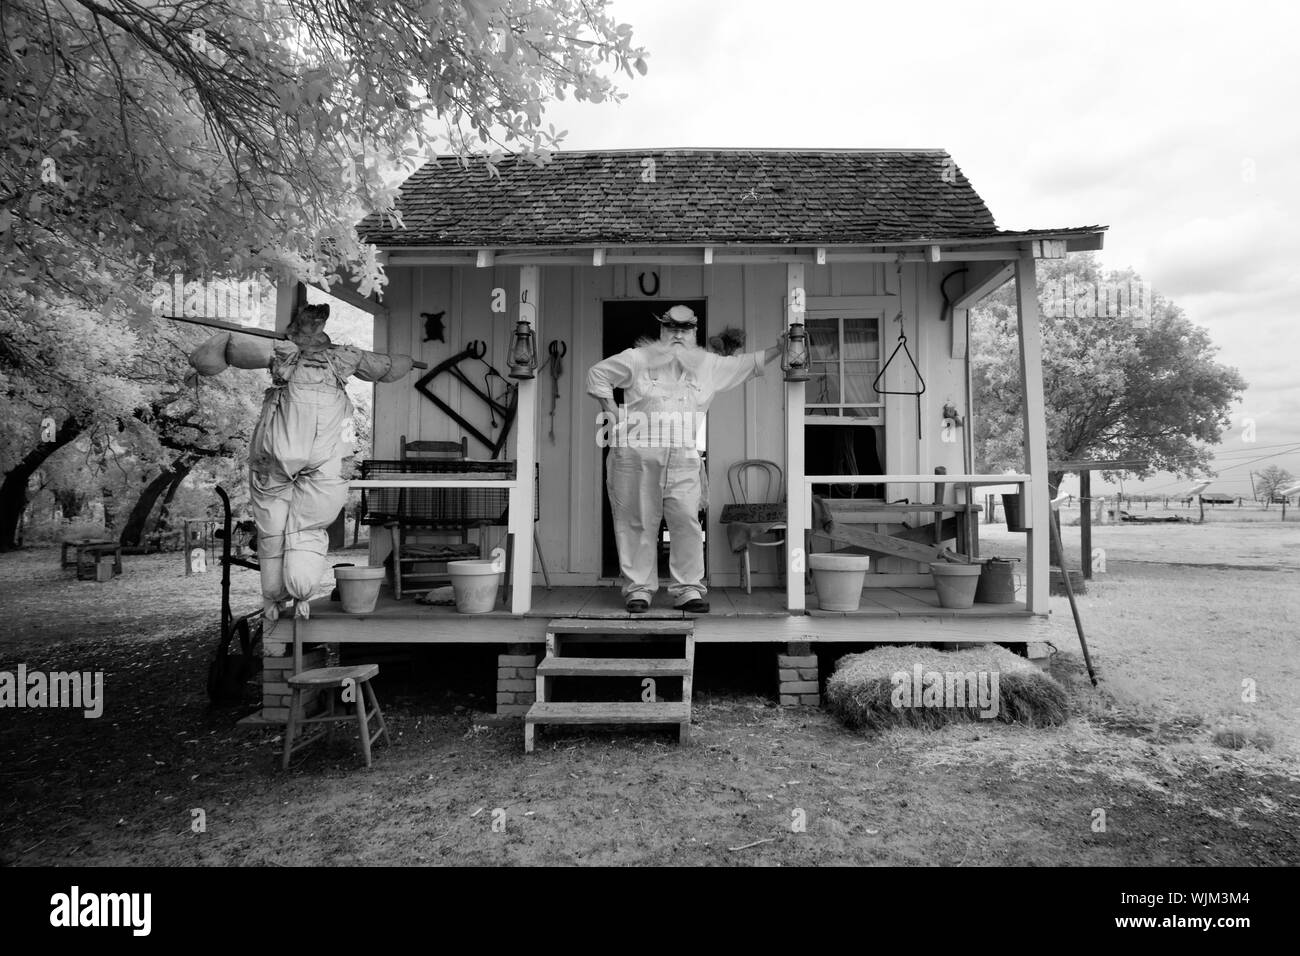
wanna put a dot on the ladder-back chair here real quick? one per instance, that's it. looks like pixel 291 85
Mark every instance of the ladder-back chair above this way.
pixel 413 524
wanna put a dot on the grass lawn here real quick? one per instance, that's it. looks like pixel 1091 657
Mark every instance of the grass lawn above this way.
pixel 1183 615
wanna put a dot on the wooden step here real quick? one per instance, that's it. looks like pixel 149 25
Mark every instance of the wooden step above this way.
pixel 575 625
pixel 670 712
pixel 614 667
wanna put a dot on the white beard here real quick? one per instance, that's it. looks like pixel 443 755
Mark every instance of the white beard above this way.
pixel 659 354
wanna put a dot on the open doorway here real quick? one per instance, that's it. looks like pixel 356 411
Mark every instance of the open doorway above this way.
pixel 623 322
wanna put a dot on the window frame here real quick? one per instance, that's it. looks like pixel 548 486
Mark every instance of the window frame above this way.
pixel 840 315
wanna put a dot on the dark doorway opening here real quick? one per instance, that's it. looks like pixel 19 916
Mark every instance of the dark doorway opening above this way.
pixel 623 322
pixel 843 450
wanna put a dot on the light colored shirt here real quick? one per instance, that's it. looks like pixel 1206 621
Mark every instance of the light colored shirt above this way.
pixel 630 371
pixel 665 402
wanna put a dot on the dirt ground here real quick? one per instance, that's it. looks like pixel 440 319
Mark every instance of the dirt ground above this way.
pixel 1181 617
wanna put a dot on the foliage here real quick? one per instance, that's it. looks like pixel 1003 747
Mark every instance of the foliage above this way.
pixel 58 360
pixel 1270 482
pixel 223 137
pixel 1115 388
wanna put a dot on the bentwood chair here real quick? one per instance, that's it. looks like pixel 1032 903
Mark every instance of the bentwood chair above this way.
pixel 758 495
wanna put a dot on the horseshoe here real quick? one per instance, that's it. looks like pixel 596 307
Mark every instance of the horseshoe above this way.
pixel 641 282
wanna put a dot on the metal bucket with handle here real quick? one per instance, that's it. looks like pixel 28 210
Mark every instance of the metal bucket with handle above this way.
pixel 998 584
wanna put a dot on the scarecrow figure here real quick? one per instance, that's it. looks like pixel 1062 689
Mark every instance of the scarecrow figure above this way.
pixel 655 470
pixel 295 457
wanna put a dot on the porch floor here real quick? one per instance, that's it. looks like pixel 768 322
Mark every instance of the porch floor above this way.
pixel 887 615
pixel 607 602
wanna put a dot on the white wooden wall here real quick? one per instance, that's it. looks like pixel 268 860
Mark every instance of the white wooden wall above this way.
pixel 744 423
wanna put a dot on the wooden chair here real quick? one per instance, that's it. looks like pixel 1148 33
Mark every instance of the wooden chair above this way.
pixel 408 528
pixel 749 505
pixel 331 680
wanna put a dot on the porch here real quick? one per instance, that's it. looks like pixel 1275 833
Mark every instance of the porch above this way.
pixel 886 615
pixel 898 425
pixel 900 615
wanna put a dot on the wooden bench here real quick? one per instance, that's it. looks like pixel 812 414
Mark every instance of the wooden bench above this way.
pixel 922 544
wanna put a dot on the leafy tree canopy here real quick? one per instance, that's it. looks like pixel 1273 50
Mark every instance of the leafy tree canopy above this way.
pixel 222 137
pixel 1272 481
pixel 231 138
pixel 1143 387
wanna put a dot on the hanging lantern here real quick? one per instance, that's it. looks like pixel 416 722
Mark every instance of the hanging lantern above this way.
pixel 523 353
pixel 795 360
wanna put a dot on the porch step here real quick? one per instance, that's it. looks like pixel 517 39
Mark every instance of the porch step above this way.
pixel 613 667
pixel 553 665
pixel 617 712
pixel 596 625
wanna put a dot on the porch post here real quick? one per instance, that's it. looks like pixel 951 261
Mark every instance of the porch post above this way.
pixel 796 522
pixel 521 497
pixel 1036 506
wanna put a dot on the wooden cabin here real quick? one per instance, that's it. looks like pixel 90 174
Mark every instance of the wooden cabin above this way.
pixel 858 246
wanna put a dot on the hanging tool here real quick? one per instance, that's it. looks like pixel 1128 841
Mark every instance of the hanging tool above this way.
pixel 556 352
pixel 943 290
pixel 902 344
pixel 474 350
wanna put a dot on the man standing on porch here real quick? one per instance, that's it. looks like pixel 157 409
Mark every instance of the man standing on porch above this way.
pixel 657 471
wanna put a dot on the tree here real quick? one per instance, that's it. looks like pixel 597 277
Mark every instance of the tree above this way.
pixel 185 427
pixel 64 370
pixel 1270 482
pixel 220 138
pixel 77 375
pixel 229 136
pixel 76 483
pixel 1126 388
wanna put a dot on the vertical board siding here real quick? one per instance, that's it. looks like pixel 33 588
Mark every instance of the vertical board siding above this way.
pixel 747 422
pixel 560 512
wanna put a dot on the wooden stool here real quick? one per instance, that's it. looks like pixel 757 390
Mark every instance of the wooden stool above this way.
pixel 330 679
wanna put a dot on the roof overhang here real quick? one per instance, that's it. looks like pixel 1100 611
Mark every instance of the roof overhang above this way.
pixel 1041 244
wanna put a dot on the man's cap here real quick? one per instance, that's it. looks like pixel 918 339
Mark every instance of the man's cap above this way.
pixel 679 317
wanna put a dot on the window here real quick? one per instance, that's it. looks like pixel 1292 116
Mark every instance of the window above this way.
pixel 844 359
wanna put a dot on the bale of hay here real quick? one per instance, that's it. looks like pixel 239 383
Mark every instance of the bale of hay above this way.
pixel 916 686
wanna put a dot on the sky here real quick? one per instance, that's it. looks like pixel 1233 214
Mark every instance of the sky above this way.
pixel 1176 125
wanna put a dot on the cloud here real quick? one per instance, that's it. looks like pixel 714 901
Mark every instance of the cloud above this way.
pixel 1228 253
pixel 1169 128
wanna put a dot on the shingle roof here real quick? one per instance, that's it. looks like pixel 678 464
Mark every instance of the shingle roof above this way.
pixel 698 196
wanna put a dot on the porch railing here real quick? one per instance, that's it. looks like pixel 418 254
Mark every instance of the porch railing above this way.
pixel 522 502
